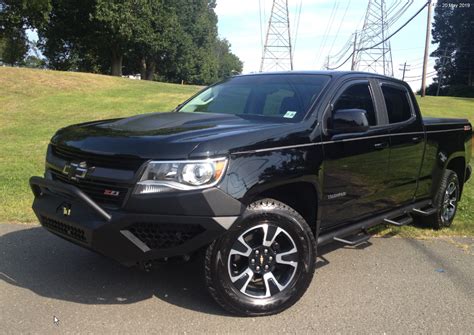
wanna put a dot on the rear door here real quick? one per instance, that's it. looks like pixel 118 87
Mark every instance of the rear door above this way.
pixel 407 142
pixel 355 165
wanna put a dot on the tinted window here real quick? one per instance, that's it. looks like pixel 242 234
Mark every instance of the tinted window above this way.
pixel 358 97
pixel 398 106
pixel 283 96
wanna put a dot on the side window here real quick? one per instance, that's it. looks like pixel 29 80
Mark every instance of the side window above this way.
pixel 358 97
pixel 396 101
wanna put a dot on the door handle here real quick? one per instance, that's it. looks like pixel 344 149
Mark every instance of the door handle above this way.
pixel 416 139
pixel 381 145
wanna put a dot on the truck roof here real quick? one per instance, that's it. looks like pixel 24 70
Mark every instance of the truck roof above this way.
pixel 322 72
pixel 334 74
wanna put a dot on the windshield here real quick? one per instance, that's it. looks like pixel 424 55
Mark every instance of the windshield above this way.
pixel 285 96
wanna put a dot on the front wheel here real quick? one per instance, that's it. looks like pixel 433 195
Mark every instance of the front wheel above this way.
pixel 264 264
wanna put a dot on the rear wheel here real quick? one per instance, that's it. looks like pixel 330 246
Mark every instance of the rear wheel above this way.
pixel 445 201
pixel 264 264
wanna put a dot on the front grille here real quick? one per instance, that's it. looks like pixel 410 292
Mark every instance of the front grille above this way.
pixel 64 228
pixel 163 236
pixel 95 190
pixel 122 162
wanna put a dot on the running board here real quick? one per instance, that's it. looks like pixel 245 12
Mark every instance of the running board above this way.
pixel 360 240
pixel 404 222
pixel 427 212
pixel 348 230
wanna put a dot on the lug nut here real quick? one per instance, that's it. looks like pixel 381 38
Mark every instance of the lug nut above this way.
pixel 265 251
pixel 257 268
pixel 256 252
pixel 266 267
pixel 270 258
pixel 252 261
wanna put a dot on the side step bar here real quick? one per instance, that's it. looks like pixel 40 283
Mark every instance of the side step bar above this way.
pixel 340 233
pixel 425 212
pixel 360 240
pixel 404 222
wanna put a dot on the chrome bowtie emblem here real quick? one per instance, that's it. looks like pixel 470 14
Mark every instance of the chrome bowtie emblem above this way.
pixel 76 171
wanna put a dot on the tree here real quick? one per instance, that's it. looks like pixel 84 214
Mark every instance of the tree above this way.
pixel 229 63
pixel 156 39
pixel 201 57
pixel 121 22
pixel 452 31
pixel 14 47
pixel 171 40
pixel 70 39
pixel 15 17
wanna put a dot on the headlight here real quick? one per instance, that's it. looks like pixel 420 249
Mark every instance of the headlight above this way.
pixel 165 176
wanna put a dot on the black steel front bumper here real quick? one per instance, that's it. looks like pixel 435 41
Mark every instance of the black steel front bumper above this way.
pixel 127 236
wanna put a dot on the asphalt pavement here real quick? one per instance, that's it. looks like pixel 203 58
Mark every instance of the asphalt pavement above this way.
pixel 390 285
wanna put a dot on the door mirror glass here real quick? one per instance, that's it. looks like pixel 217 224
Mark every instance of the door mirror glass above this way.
pixel 349 121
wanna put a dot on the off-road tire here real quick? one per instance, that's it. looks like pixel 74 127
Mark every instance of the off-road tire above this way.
pixel 218 278
pixel 437 220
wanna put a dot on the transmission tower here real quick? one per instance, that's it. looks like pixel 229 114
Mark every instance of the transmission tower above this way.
pixel 374 32
pixel 277 52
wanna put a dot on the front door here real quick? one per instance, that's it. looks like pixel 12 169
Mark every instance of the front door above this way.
pixel 355 165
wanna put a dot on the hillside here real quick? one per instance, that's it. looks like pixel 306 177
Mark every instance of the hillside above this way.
pixel 35 103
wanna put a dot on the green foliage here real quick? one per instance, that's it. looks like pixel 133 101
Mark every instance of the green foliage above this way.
pixel 34 62
pixel 172 40
pixel 14 47
pixel 452 31
pixel 15 17
pixel 229 63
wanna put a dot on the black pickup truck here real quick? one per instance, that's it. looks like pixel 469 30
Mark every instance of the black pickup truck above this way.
pixel 256 171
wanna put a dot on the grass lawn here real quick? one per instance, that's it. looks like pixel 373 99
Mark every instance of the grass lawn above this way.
pixel 35 103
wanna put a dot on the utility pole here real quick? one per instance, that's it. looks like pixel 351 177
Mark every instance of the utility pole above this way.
pixel 404 69
pixel 441 74
pixel 354 52
pixel 277 50
pixel 427 46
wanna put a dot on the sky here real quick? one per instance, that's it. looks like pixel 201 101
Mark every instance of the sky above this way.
pixel 239 23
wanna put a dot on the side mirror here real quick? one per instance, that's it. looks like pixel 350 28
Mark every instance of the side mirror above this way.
pixel 348 121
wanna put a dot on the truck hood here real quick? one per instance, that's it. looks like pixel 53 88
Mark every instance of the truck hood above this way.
pixel 177 135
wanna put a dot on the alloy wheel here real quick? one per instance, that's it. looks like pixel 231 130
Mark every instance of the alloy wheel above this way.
pixel 263 261
pixel 450 202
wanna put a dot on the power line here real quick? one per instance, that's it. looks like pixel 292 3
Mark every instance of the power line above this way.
pixel 394 12
pixel 340 25
pixel 297 23
pixel 375 59
pixel 322 45
pixel 384 40
pixel 261 24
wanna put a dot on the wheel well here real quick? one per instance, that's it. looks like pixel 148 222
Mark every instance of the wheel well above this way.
pixel 302 197
pixel 458 165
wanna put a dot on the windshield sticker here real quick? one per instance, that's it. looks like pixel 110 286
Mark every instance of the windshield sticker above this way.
pixel 290 114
